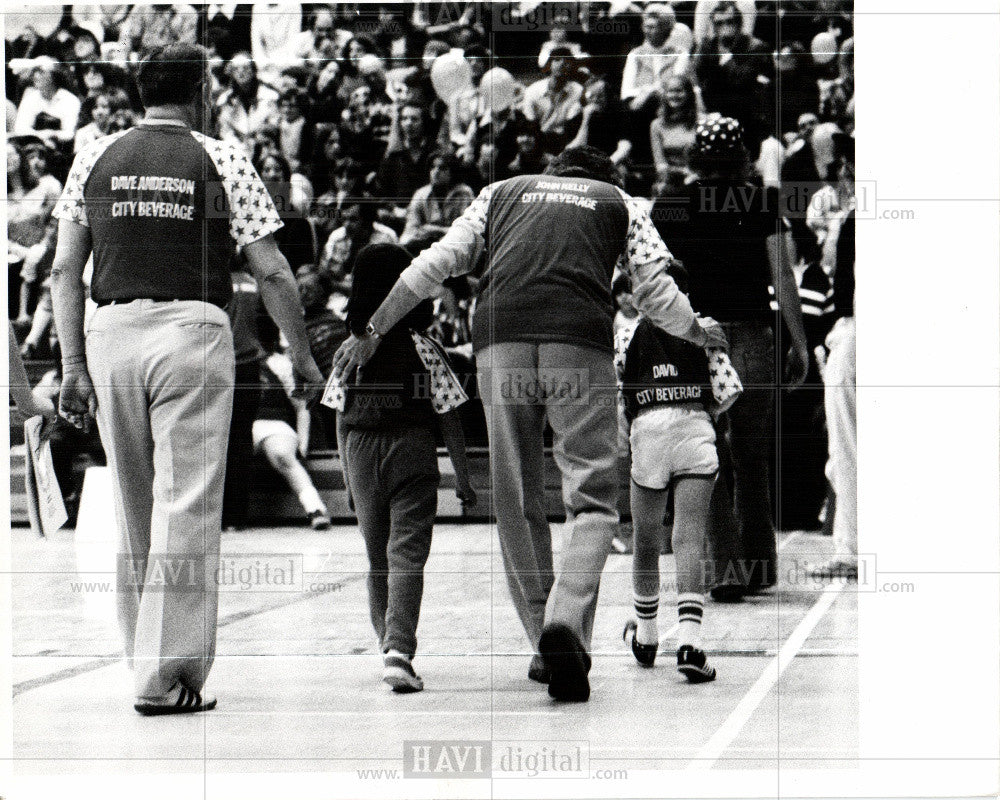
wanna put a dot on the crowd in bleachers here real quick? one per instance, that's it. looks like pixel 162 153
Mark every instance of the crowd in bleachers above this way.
pixel 380 122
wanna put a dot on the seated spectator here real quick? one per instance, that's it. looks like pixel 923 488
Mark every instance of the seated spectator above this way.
pixel 323 91
pixel 292 196
pixel 359 228
pixel 802 175
pixel 429 211
pixel 295 128
pixel 348 179
pixel 247 104
pixel 359 128
pixel 227 25
pixel 149 27
pixel 275 435
pixel 797 91
pixel 665 48
pixel 321 43
pixel 671 133
pixel 603 125
pixel 469 108
pixel 530 158
pixel 326 333
pixel 555 102
pixel 47 110
pixel 101 110
pixel 558 37
pixel 734 71
pixel 274 29
pixel 405 169
pixel 32 193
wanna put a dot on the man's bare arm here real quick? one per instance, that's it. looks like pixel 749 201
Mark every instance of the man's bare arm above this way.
pixel 280 294
pixel 72 251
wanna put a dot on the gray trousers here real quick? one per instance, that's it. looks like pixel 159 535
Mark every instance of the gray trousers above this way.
pixel 522 385
pixel 163 373
pixel 393 478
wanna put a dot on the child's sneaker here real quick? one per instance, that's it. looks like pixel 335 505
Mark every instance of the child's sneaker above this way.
pixel 693 665
pixel 645 654
pixel 319 521
pixel 399 674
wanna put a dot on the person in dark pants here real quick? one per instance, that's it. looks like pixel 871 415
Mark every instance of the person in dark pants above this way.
pixel 727 231
pixel 388 424
pixel 243 310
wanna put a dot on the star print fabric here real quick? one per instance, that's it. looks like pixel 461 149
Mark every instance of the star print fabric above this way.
pixel 252 214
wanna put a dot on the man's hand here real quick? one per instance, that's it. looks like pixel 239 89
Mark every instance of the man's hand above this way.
pixel 309 380
pixel 355 352
pixel 77 401
pixel 714 335
pixel 796 366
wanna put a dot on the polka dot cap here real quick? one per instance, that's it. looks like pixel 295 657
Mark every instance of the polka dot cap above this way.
pixel 718 136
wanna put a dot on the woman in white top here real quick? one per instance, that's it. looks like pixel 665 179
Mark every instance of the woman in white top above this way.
pixel 57 107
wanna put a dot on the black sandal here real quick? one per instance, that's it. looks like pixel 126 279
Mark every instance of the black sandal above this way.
pixel 188 702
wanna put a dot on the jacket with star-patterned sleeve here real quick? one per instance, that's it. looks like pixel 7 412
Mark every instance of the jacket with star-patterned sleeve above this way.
pixel 166 207
pixel 552 245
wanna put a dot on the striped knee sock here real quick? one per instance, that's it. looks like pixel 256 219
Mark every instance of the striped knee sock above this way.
pixel 690 607
pixel 645 612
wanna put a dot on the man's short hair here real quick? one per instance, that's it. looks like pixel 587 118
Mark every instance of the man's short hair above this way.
pixel 172 75
pixel 584 162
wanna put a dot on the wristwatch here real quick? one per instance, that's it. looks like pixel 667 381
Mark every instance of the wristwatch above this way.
pixel 370 331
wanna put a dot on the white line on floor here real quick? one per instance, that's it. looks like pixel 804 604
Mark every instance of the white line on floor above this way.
pixel 730 729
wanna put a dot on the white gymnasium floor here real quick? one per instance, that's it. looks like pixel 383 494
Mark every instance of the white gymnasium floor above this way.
pixel 297 674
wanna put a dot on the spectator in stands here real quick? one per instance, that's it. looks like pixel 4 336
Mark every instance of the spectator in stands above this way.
pixel 275 435
pixel 795 86
pixel 348 179
pixel 274 27
pixel 358 128
pixel 555 102
pixel 47 110
pixel 292 196
pixel 244 309
pixel 428 212
pixel 359 228
pixel 100 109
pixel 602 124
pixel 321 43
pixel 225 24
pixel 802 175
pixel 734 71
pixel 671 133
pixel 469 108
pixel 558 37
pixel 32 193
pixel 530 158
pixel 666 47
pixel 247 105
pixel 150 27
pixel 295 128
pixel 405 169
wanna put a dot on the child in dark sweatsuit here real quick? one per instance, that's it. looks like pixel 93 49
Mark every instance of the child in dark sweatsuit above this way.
pixel 391 408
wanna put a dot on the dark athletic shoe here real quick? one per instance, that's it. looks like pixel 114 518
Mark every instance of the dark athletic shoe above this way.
pixel 567 661
pixel 537 671
pixel 180 700
pixel 645 654
pixel 727 593
pixel 399 674
pixel 693 665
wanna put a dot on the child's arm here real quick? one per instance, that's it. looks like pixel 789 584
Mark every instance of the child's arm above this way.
pixel 454 440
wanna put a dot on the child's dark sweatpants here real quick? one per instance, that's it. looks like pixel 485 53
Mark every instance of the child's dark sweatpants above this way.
pixel 394 479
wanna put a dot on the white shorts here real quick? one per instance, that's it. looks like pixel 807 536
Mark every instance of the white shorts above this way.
pixel 670 442
pixel 263 428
